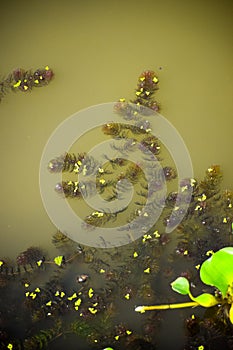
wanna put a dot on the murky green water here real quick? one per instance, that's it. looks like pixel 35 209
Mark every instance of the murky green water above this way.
pixel 97 50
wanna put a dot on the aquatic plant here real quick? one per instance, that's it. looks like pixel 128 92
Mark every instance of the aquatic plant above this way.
pixel 215 271
pixel 25 80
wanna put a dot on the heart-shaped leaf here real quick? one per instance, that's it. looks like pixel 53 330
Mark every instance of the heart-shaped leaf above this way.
pixel 181 285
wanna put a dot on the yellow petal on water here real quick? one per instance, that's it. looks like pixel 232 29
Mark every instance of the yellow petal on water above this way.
pixel 210 252
pixel 138 93
pixel 58 260
pixel 90 293
pixel 36 81
pixel 17 84
pixel 155 79
pixel 135 254
pixel 156 234
pixel 95 304
pixel 224 220
pixel 1 262
pixel 39 262
pixel 25 87
pixel 117 337
pixel 37 290
pixel 102 271
pixel 185 252
pixel 147 270
pixel 102 181
pixel 201 347
pixel 78 302
pixel 122 99
pixel 193 317
pixel 62 294
pixel 230 205
pixel 127 296
pixel 27 294
pixel 92 310
pixel 10 346
pixel 101 170
pixel 26 285
pixel 46 67
pixel 197 266
pixel 49 303
pixel 57 293
pixel 33 295
pixel 128 332
pixel 72 296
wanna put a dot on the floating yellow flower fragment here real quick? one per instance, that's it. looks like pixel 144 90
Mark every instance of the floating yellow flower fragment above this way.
pixel 201 347
pixel 77 304
pixel 39 262
pixel 197 266
pixel 17 84
pixel 46 67
pixel 185 252
pixel 36 81
pixel 138 93
pixel 92 310
pixel 156 234
pixel 26 285
pixel 224 220
pixel 49 303
pixel 37 290
pixel 27 294
pixel 117 337
pixel 72 296
pixel 1 263
pixel 25 87
pixel 210 252
pixel 58 260
pixel 147 270
pixel 10 346
pixel 33 295
pixel 102 181
pixel 135 254
pixel 155 79
pixel 127 296
pixel 230 205
pixel 202 198
pixel 145 238
pixel 193 317
pixel 62 294
pixel 101 170
pixel 90 293
pixel 128 332
pixel 95 304
pixel 122 99
pixel 102 271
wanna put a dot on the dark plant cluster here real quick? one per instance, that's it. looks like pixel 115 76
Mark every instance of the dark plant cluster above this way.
pixel 25 80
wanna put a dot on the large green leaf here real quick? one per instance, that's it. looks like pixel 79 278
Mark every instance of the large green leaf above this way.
pixel 218 270
pixel 181 285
